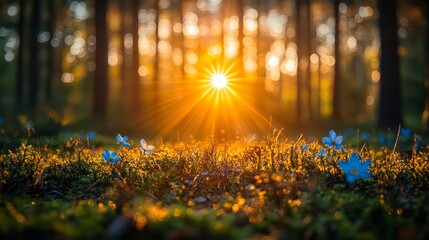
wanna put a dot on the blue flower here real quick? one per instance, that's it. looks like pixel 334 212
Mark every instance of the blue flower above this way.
pixel 2 120
pixel 146 148
pixel 304 147
pixel 110 157
pixel 382 138
pixel 365 136
pixel 333 140
pixel 122 140
pixel 321 153
pixel 90 135
pixel 354 169
pixel 406 132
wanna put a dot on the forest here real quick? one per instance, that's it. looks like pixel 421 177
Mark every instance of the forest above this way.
pixel 214 119
pixel 146 65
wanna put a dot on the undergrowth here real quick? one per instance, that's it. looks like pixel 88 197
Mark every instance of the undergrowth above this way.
pixel 272 189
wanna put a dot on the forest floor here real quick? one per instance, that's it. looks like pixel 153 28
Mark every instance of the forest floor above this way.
pixel 353 186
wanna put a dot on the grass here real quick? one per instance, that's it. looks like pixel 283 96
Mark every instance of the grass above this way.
pixel 240 189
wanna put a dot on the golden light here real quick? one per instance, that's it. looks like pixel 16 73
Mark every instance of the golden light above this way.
pixel 219 80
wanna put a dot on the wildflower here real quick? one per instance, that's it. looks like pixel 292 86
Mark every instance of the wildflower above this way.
pixel 382 138
pixel 90 135
pixel 365 136
pixel 122 140
pixel 146 148
pixel 304 147
pixel 110 157
pixel 406 132
pixel 333 140
pixel 354 169
pixel 321 153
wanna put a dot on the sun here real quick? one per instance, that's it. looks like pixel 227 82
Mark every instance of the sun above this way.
pixel 219 80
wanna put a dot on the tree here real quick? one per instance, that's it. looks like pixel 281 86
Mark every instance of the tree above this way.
pixel 390 109
pixel 101 77
pixel 336 113
pixel 303 72
pixel 425 114
pixel 34 78
pixel 135 58
pixel 19 91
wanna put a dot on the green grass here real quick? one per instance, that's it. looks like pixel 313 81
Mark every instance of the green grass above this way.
pixel 241 189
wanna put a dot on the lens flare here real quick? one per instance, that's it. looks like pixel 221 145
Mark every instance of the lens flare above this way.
pixel 219 80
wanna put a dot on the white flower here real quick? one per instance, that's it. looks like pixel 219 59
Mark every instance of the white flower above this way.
pixel 146 148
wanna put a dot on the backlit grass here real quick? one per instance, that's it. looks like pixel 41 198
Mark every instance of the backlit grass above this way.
pixel 240 189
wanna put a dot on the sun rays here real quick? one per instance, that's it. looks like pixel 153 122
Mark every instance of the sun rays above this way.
pixel 215 102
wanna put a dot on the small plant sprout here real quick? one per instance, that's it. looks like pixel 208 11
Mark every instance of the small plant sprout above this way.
pixel 110 157
pixel 333 140
pixel 146 148
pixel 122 140
pixel 354 169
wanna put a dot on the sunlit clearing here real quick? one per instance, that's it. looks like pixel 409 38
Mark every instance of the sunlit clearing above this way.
pixel 219 80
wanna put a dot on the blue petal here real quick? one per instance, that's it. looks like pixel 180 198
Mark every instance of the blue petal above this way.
pixel 141 149
pixel 365 165
pixel 345 166
pixel 115 160
pixel 365 174
pixel 91 135
pixel 354 159
pixel 338 139
pixel 332 135
pixel 339 147
pixel 126 144
pixel 106 155
pixel 365 136
pixel 113 154
pixel 327 141
pixel 350 178
pixel 148 152
pixel 125 138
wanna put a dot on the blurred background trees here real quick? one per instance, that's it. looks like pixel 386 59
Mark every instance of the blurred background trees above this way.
pixel 144 66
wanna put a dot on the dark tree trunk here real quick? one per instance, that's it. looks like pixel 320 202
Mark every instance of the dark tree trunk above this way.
pixel 101 76
pixel 155 79
pixel 34 78
pixel 336 113
pixel 303 71
pixel 390 109
pixel 135 59
pixel 126 69
pixel 425 115
pixel 19 91
pixel 52 67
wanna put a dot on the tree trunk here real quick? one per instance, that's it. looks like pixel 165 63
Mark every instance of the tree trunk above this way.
pixel 101 76
pixel 336 113
pixel 425 115
pixel 135 59
pixel 19 91
pixel 303 71
pixel 390 108
pixel 34 78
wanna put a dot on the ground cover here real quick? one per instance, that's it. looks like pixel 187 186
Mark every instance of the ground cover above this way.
pixel 341 186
